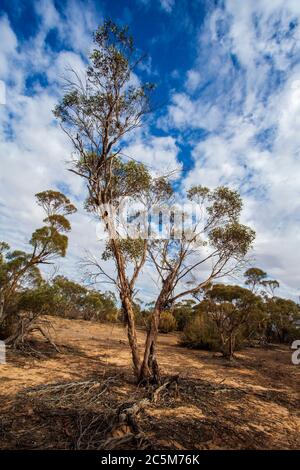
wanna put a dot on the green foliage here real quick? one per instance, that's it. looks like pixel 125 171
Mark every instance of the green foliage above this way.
pixel 167 322
pixel 19 270
pixel 14 263
pixel 222 318
pixel 236 295
pixel 198 194
pixel 222 207
pixel 184 312
pixel 234 238
pixel 254 277
pixel 73 300
pixel 161 190
pixel 231 316
pixel 122 179
pixel 36 300
pixel 132 249
pixel 49 243
pixel 221 204
pixel 59 222
pixel 100 113
pixel 54 203
pixel 225 203
pixel 66 298
pixel 282 315
pixel 129 179
pixel 269 287
pixel 201 333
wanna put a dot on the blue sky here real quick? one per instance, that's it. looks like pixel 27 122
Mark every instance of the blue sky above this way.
pixel 228 96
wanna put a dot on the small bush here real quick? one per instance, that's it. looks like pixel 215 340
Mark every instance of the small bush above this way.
pixel 200 333
pixel 167 322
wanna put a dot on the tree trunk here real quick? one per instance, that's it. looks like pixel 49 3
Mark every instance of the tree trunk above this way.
pixel 1 307
pixel 231 346
pixel 132 337
pixel 126 300
pixel 3 318
pixel 150 369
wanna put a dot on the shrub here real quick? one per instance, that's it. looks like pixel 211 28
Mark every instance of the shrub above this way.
pixel 200 333
pixel 183 312
pixel 167 322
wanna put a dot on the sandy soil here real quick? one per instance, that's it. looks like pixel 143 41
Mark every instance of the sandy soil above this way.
pixel 252 402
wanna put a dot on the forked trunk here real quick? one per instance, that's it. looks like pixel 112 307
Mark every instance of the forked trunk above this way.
pixel 150 370
pixel 126 301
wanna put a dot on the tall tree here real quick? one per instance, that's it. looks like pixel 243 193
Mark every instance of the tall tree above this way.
pixel 96 115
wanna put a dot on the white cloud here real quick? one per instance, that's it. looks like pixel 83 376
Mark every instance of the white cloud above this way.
pixel 185 112
pixel 167 5
pixel 8 47
pixel 159 154
pixel 192 81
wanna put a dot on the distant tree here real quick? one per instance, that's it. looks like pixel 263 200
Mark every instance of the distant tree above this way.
pixel 19 269
pixel 69 299
pixel 183 312
pixel 282 315
pixel 231 308
pixel 269 287
pixel 167 322
pixel 254 278
pixel 100 306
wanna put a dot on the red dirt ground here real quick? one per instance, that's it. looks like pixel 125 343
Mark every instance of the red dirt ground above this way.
pixel 251 402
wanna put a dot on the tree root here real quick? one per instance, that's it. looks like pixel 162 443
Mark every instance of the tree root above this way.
pixel 89 414
pixel 125 429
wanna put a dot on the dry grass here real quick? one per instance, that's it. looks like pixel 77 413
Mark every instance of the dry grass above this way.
pixel 70 400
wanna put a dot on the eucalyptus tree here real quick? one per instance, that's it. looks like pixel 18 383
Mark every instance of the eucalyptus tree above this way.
pixel 269 287
pixel 97 113
pixel 283 317
pixel 254 278
pixel 191 257
pixel 230 308
pixel 19 269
